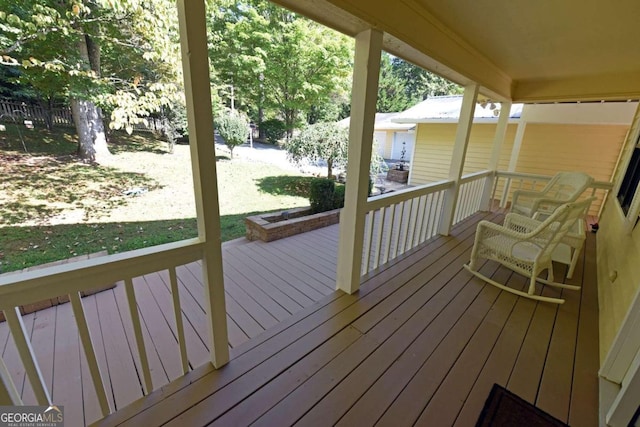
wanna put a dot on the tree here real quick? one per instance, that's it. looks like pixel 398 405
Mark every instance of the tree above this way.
pixel 233 129
pixel 403 84
pixel 117 56
pixel 321 141
pixel 329 142
pixel 278 60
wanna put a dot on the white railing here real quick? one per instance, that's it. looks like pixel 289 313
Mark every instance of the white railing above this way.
pixel 470 195
pixel 508 182
pixel 71 279
pixel 399 221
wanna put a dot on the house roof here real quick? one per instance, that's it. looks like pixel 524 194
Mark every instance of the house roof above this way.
pixel 537 51
pixel 447 109
pixel 383 122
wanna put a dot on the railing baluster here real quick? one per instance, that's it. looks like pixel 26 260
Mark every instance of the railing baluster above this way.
pixel 420 220
pixel 428 203
pixel 376 260
pixel 19 333
pixel 400 216
pixel 406 218
pixel 505 192
pixel 389 227
pixel 8 391
pixel 367 243
pixel 89 352
pixel 137 329
pixel 177 311
pixel 415 205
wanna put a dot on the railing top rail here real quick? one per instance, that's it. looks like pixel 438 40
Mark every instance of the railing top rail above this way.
pixel 381 201
pixel 37 285
pixel 475 175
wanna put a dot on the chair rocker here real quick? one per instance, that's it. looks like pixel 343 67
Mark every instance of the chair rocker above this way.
pixel 525 246
pixel 564 187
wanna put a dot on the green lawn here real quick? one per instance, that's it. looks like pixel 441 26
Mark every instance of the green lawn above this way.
pixel 54 207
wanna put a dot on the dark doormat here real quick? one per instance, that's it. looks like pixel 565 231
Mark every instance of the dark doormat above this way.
pixel 505 409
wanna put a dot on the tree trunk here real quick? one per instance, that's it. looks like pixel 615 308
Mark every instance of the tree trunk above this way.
pixel 92 140
pixel 329 168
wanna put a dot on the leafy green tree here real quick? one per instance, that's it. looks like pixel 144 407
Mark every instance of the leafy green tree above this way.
pixel 403 84
pixel 329 142
pixel 116 56
pixel 320 142
pixel 277 60
pixel 233 128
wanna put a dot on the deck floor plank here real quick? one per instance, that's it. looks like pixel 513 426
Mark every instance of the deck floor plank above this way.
pixel 67 380
pixel 583 407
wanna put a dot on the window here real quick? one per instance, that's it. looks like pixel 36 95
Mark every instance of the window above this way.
pixel 630 181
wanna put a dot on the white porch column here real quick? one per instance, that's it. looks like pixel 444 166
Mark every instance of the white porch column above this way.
pixel 195 65
pixel 457 158
pixel 501 131
pixel 364 94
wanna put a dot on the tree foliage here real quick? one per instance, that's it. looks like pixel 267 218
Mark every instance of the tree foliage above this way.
pixel 278 60
pixel 233 128
pixel 325 141
pixel 120 55
pixel 403 84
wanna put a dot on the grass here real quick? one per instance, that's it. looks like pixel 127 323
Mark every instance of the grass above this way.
pixel 53 206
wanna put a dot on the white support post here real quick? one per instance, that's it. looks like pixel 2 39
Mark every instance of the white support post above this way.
pixel 195 65
pixel 364 95
pixel 8 393
pixel 498 140
pixel 457 158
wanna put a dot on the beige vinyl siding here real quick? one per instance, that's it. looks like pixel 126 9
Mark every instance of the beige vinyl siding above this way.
pixel 546 149
pixel 618 253
pixel 550 148
pixel 434 145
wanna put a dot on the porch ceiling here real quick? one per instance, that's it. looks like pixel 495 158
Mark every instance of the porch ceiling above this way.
pixel 524 51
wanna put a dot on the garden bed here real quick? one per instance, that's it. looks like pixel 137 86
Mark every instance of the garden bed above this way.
pixel 277 225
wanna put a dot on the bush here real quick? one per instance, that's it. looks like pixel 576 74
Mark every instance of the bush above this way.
pixel 338 196
pixel 234 129
pixel 274 130
pixel 322 195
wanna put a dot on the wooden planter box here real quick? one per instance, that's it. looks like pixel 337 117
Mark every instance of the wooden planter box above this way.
pixel 396 175
pixel 277 225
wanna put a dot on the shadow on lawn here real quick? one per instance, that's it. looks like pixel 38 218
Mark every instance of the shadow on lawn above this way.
pixel 22 247
pixel 286 185
pixel 43 186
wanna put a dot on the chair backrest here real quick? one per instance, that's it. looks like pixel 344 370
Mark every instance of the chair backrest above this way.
pixel 553 229
pixel 567 186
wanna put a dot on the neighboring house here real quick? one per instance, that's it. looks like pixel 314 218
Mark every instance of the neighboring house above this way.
pixel 391 137
pixel 540 138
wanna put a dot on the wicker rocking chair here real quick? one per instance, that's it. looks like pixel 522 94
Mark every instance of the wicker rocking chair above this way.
pixel 564 187
pixel 525 246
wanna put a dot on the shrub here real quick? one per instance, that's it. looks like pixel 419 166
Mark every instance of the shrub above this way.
pixel 274 130
pixel 234 129
pixel 322 193
pixel 338 196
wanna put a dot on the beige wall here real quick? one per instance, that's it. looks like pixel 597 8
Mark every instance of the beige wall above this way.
pixel 618 255
pixel 434 145
pixel 546 149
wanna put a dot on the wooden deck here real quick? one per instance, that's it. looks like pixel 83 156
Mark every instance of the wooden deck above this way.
pixel 421 343
pixel 265 284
